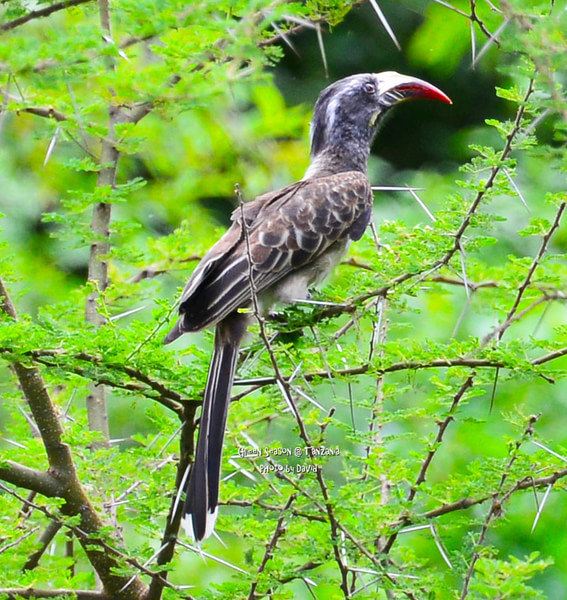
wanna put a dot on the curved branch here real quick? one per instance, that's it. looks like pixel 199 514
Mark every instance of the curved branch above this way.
pixel 69 488
pixel 471 363
pixel 523 484
pixel 143 384
pixel 42 12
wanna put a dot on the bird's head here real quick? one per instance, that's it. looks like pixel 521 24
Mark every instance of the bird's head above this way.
pixel 348 112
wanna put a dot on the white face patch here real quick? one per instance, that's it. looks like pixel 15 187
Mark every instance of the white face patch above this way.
pixel 332 109
pixel 352 84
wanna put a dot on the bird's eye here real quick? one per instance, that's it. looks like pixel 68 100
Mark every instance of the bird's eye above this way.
pixel 369 88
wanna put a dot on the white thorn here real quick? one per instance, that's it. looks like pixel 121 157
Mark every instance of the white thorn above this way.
pixel 385 23
pixel 541 505
pixel 489 42
pixel 552 452
pixel 421 203
pixel 127 313
pixel 212 557
pixel 180 491
pixel 51 146
pixel 516 189
pixel 322 49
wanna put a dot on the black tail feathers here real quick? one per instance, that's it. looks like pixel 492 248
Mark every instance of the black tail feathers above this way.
pixel 202 487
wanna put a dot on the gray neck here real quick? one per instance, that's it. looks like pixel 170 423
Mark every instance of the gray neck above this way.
pixel 345 147
pixel 334 160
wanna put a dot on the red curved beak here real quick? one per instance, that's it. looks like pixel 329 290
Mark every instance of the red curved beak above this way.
pixel 411 87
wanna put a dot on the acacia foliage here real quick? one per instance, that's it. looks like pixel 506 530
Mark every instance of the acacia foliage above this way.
pixel 119 119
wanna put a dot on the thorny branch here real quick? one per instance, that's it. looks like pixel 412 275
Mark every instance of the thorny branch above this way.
pixel 469 362
pixel 498 500
pixel 271 545
pixel 17 593
pixel 442 427
pixel 62 470
pixel 523 484
pixel 45 540
pixel 510 317
pixel 173 521
pixel 469 382
pixel 474 18
pixel 132 589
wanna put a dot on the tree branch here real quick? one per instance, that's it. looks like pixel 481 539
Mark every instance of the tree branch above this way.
pixel 173 522
pixel 464 503
pixel 469 362
pixel 441 428
pixel 47 113
pixel 63 471
pixel 271 546
pixel 40 404
pixel 30 479
pixel 100 226
pixel 510 317
pixel 42 12
pixel 496 507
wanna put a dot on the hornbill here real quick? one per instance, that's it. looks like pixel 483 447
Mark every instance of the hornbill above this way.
pixel 293 238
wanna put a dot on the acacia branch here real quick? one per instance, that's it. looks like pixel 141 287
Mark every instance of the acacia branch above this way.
pixel 464 503
pixel 474 18
pixel 173 522
pixel 155 270
pixel 348 535
pixel 62 470
pixel 496 507
pixel 511 316
pixel 30 479
pixel 17 541
pixel 46 112
pixel 271 546
pixel 140 110
pixel 274 508
pixel 472 285
pixel 471 363
pixel 441 428
pixel 118 587
pixel 163 395
pixel 42 12
pixel 40 404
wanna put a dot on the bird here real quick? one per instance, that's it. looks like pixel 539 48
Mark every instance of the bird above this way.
pixel 280 245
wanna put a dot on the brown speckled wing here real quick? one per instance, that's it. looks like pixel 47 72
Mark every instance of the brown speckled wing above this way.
pixel 286 230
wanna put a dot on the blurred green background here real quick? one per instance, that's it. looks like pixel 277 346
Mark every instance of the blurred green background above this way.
pixel 256 133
